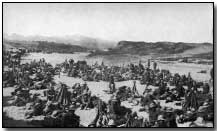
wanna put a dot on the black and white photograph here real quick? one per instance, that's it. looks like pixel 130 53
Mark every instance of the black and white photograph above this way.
pixel 107 65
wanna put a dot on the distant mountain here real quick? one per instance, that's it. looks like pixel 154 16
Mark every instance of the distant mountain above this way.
pixel 20 44
pixel 157 48
pixel 44 46
pixel 97 46
pixel 59 47
pixel 84 41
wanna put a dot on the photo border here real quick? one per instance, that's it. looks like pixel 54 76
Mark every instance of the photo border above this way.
pixel 213 42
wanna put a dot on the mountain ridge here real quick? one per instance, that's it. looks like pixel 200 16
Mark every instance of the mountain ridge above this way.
pixel 84 41
pixel 44 46
pixel 139 48
pixel 158 48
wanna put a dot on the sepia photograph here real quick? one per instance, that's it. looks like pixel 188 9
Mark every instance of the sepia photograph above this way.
pixel 107 65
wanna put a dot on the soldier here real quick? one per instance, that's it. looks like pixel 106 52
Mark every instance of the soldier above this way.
pixel 71 62
pixel 160 122
pixel 180 89
pixel 191 99
pixel 190 83
pixel 85 100
pixel 206 88
pixel 69 118
pixel 66 65
pixel 112 84
pixel 153 111
pixel 51 93
pixel 37 108
pixel 114 104
pixel 147 79
pixel 135 91
pixel 149 63
pixel 170 117
pixel 102 64
pixel 155 66
pixel 162 87
pixel 141 67
pixel 19 100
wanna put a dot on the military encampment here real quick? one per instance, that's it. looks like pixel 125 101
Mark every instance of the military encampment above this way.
pixel 58 80
pixel 76 94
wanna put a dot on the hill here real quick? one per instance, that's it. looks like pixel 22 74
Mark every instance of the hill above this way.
pixel 157 48
pixel 44 46
pixel 59 47
pixel 80 40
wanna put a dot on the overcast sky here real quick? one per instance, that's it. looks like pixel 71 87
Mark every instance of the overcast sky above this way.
pixel 177 22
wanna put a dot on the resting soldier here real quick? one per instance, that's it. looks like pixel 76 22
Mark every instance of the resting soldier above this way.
pixel 51 93
pixel 114 104
pixel 69 118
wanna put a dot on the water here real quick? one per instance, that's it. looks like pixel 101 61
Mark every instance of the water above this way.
pixel 56 58
pixel 174 67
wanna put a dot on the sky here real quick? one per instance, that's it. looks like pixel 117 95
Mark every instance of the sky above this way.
pixel 151 22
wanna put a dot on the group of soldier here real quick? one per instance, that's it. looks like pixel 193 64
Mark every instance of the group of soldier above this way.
pixel 59 105
pixel 195 98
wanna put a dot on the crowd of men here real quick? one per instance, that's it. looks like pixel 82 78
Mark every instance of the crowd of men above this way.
pixel 58 103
